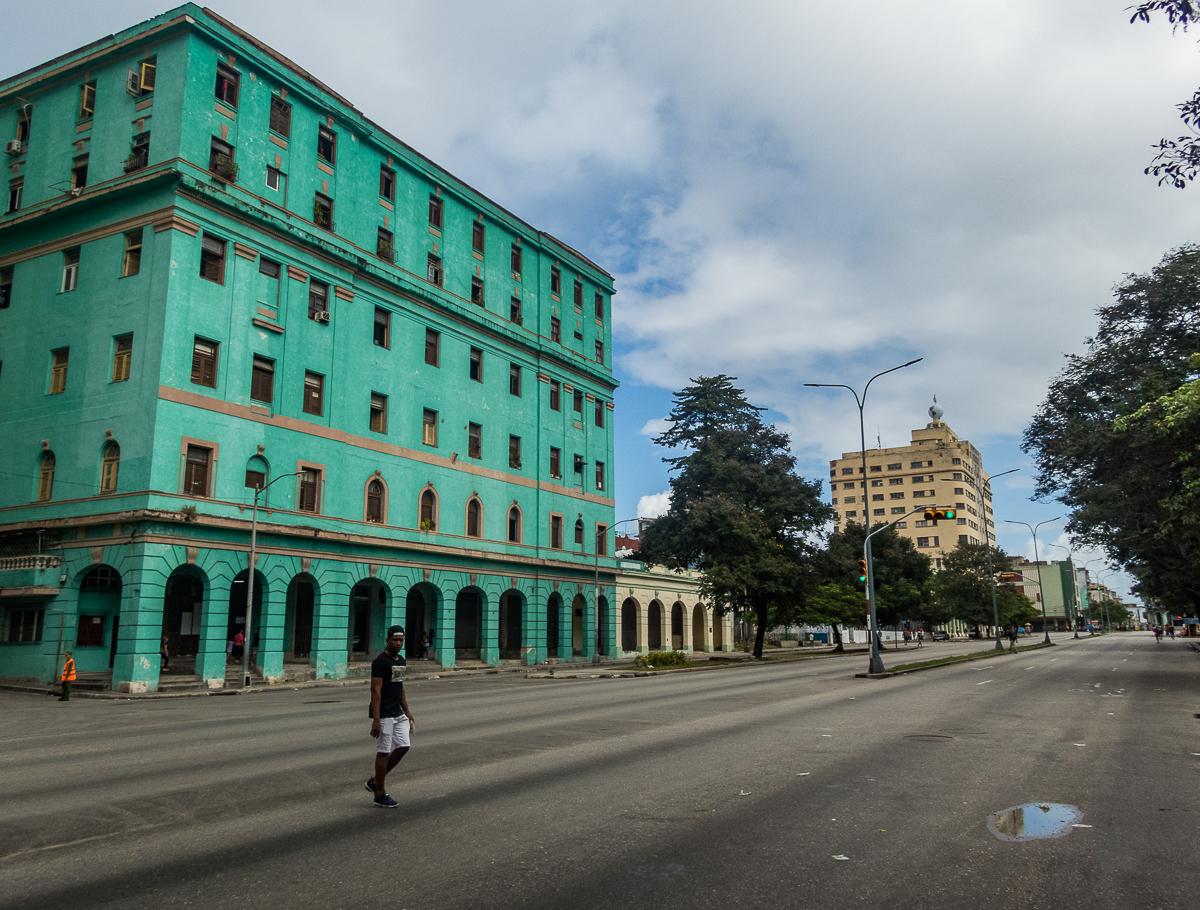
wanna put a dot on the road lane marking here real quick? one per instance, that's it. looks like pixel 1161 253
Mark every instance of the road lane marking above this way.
pixel 984 683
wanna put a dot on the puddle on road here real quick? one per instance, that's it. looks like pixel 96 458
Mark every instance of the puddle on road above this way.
pixel 1034 821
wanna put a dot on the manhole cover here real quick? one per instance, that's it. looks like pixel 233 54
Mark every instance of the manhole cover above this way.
pixel 1034 821
pixel 928 737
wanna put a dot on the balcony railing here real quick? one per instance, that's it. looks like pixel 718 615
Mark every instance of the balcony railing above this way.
pixel 9 563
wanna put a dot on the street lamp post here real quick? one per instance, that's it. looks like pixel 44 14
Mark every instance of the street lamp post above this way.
pixel 596 593
pixel 1037 562
pixel 1104 603
pixel 987 542
pixel 876 662
pixel 250 578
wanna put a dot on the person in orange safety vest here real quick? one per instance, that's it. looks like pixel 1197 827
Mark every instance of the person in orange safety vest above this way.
pixel 68 677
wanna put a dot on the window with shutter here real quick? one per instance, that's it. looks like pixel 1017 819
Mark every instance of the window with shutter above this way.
pixel 474 518
pixel 46 478
pixel 110 467
pixel 375 502
pixel 314 393
pixel 58 371
pixel 262 380
pixel 212 259
pixel 281 117
pixel 204 362
pixel 196 470
pixel 310 482
pixel 122 358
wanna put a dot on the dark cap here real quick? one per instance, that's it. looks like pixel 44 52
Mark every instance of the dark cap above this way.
pixel 395 630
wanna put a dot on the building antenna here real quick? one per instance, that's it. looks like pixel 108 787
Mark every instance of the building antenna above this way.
pixel 878 438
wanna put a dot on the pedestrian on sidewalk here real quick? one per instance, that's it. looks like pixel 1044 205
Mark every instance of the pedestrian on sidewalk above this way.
pixel 920 637
pixel 391 721
pixel 68 677
pixel 1012 638
pixel 166 658
pixel 239 641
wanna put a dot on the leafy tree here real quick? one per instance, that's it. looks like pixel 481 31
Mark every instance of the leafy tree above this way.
pixel 901 573
pixel 739 513
pixel 1123 479
pixel 963 590
pixel 836 604
pixel 1178 160
pixel 1170 426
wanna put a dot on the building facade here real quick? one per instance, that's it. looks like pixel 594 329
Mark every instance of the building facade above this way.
pixel 661 610
pixel 217 278
pixel 1050 582
pixel 936 470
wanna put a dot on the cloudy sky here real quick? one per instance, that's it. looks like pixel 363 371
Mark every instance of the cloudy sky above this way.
pixel 786 192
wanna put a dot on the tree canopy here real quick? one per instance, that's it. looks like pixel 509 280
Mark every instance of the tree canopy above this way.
pixel 963 589
pixel 739 512
pixel 901 573
pixel 1124 478
pixel 1178 160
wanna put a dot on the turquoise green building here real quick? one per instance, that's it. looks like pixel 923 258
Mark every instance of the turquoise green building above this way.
pixel 218 277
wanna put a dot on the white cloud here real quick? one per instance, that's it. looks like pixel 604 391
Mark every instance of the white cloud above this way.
pixel 655 427
pixel 786 192
pixel 654 506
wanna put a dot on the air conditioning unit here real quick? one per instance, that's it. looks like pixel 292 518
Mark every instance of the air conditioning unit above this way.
pixel 14 147
pixel 323 316
pixel 133 84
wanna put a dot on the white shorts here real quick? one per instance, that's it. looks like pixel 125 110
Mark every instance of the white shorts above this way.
pixel 393 734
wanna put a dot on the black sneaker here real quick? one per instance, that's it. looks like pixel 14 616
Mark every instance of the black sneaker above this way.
pixel 385 802
pixel 371 785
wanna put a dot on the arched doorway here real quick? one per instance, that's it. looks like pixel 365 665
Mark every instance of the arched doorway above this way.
pixel 512 611
pixel 298 618
pixel 183 607
pixel 553 612
pixel 699 627
pixel 577 609
pixel 629 625
pixel 368 606
pixel 654 622
pixel 99 616
pixel 417 612
pixel 676 626
pixel 468 625
pixel 237 609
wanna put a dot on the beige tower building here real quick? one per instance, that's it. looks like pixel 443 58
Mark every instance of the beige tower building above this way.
pixel 937 470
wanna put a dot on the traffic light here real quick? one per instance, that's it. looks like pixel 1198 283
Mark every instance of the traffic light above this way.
pixel 936 515
pixel 862 570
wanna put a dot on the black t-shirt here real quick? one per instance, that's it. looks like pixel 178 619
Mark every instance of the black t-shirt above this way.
pixel 391 671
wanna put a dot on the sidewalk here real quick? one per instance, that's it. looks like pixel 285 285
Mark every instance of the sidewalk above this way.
pixel 623 667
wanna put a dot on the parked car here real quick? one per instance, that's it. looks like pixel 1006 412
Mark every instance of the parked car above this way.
pixel 940 635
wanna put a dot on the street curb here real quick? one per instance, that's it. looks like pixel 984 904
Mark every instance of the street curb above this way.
pixel 950 662
pixel 615 670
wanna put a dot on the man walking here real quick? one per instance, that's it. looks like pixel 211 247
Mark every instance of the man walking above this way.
pixel 68 677
pixel 391 721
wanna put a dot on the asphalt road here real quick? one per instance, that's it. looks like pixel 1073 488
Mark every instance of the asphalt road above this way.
pixel 790 785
